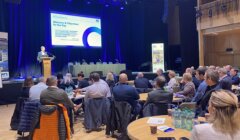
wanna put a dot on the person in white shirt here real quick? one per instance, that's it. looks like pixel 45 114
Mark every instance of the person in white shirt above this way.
pixel 224 122
pixel 35 91
pixel 99 88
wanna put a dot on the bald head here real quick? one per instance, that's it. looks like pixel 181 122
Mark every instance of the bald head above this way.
pixel 140 75
pixel 123 78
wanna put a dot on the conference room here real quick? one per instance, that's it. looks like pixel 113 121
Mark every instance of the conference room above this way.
pixel 119 69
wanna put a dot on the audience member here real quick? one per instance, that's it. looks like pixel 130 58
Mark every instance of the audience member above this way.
pixel 234 76
pixel 54 95
pixel 159 73
pixel 35 91
pixel 27 84
pixel 159 95
pixel 142 82
pixel 99 88
pixel 82 83
pixel 173 82
pixel 225 81
pixel 223 121
pixel 211 78
pixel 110 79
pixel 124 92
pixel 228 68
pixel 60 81
pixel 189 88
pixel 200 72
pixel 194 79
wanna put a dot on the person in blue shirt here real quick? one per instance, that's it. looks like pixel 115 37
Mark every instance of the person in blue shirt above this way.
pixel 234 76
pixel 200 72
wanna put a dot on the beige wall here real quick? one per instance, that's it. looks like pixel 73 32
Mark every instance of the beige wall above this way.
pixel 215 48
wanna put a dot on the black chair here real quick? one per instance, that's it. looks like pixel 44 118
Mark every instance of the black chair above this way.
pixel 119 118
pixel 153 109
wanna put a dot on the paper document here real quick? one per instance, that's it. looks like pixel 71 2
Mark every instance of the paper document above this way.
pixel 153 120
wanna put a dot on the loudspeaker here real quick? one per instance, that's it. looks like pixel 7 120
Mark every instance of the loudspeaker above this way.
pixel 13 1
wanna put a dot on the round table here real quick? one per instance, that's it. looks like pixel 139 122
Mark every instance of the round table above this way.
pixel 140 130
pixel 143 97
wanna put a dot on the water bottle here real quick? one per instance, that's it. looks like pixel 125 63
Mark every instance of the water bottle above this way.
pixel 183 119
pixel 178 118
pixel 190 120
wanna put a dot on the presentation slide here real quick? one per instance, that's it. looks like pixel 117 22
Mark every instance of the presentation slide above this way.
pixel 74 30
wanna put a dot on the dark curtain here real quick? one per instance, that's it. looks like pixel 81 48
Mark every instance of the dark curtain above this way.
pixel 126 34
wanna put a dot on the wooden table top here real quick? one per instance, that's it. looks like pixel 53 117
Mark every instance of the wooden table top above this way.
pixel 140 130
pixel 143 97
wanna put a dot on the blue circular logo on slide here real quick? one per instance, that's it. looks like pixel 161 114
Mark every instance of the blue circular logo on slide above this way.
pixel 87 32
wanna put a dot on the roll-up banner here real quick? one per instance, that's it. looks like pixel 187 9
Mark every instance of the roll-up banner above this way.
pixel 157 56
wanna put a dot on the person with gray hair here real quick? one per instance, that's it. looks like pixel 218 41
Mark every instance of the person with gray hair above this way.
pixel 35 91
pixel 225 81
pixel 142 83
pixel 212 79
pixel 54 95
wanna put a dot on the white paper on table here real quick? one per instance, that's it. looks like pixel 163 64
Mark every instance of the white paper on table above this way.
pixel 153 120
pixel 163 128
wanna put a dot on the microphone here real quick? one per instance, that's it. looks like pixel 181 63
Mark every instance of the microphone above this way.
pixel 100 60
pixel 116 60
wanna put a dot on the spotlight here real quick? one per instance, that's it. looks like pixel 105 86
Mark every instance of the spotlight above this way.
pixel 106 5
pixel 88 2
pixel 122 8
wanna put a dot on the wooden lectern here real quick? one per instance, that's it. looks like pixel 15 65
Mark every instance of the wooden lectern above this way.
pixel 46 65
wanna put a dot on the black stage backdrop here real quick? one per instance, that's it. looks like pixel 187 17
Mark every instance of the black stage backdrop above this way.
pixel 127 34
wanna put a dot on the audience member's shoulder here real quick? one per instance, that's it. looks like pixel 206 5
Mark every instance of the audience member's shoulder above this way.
pixel 201 128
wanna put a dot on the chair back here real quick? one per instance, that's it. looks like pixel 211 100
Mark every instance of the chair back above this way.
pixel 96 111
pixel 154 109
pixel 189 105
pixel 54 123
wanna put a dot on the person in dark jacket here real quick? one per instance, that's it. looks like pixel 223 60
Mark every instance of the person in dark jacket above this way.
pixel 110 79
pixel 234 76
pixel 159 95
pixel 211 78
pixel 124 92
pixel 27 84
pixel 82 83
pixel 142 82
pixel 225 81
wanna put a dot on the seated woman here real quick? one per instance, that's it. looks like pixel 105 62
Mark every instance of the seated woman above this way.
pixel 27 84
pixel 224 122
pixel 189 88
pixel 173 82
pixel 110 79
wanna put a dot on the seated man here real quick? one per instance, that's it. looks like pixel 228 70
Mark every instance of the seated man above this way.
pixel 234 76
pixel 82 83
pixel 159 95
pixel 200 72
pixel 124 92
pixel 211 78
pixel 35 91
pixel 225 81
pixel 54 95
pixel 98 89
pixel 141 82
